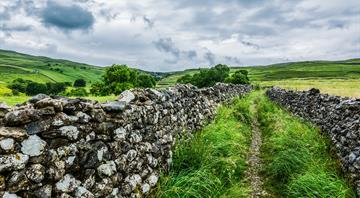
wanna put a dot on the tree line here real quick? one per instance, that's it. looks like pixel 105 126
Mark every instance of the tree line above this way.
pixel 118 78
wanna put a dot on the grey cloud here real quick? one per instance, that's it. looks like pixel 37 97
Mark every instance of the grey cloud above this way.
pixel 190 54
pixel 333 24
pixel 250 44
pixel 167 45
pixel 148 22
pixel 20 28
pixel 210 57
pixel 67 17
pixel 231 59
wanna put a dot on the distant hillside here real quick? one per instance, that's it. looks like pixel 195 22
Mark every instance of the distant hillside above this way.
pixel 345 69
pixel 333 77
pixel 43 69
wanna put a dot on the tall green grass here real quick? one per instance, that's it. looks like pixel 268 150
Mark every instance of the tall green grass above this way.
pixel 213 163
pixel 297 159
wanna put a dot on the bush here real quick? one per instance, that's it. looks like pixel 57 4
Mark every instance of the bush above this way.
pixel 34 88
pixel 119 78
pixel 239 77
pixel 55 88
pixel 19 85
pixel 146 81
pixel 207 77
pixel 80 83
pixel 186 79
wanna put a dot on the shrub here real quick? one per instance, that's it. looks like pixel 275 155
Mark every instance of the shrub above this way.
pixel 119 78
pixel 34 88
pixel 185 79
pixel 80 83
pixel 55 88
pixel 19 85
pixel 239 77
pixel 146 80
pixel 207 77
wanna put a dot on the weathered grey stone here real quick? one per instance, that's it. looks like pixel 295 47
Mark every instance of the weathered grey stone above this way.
pixel 17 181
pixel 12 132
pixel 10 195
pixel 19 117
pixel 114 106
pixel 36 173
pixel 33 146
pixel 7 144
pixel 67 184
pixel 44 191
pixel 71 132
pixel 3 109
pixel 83 117
pixel 37 127
pixel 13 162
pixel 126 96
pixel 120 134
pixel 82 192
pixel 108 169
pixel 37 98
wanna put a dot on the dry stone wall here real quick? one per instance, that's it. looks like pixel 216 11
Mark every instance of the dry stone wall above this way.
pixel 338 116
pixel 60 147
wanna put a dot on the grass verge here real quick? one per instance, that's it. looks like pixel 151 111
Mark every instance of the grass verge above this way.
pixel 212 164
pixel 297 158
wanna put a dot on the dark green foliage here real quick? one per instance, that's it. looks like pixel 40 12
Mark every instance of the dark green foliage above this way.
pixel 55 88
pixel 99 89
pixel 34 88
pixel 80 92
pixel 80 83
pixel 207 77
pixel 145 80
pixel 186 79
pixel 19 85
pixel 239 77
pixel 119 78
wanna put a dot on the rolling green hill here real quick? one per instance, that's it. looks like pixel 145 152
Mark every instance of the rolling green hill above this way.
pixel 42 69
pixel 333 77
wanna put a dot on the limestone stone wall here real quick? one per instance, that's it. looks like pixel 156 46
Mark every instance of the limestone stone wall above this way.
pixel 60 147
pixel 338 116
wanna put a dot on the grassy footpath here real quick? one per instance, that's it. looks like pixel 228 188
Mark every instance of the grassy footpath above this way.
pixel 296 157
pixel 213 163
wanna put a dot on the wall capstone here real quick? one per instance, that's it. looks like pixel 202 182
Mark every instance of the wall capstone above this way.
pixel 338 116
pixel 61 147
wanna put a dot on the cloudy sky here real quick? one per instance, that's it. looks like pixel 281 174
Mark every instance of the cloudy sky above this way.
pixel 166 35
